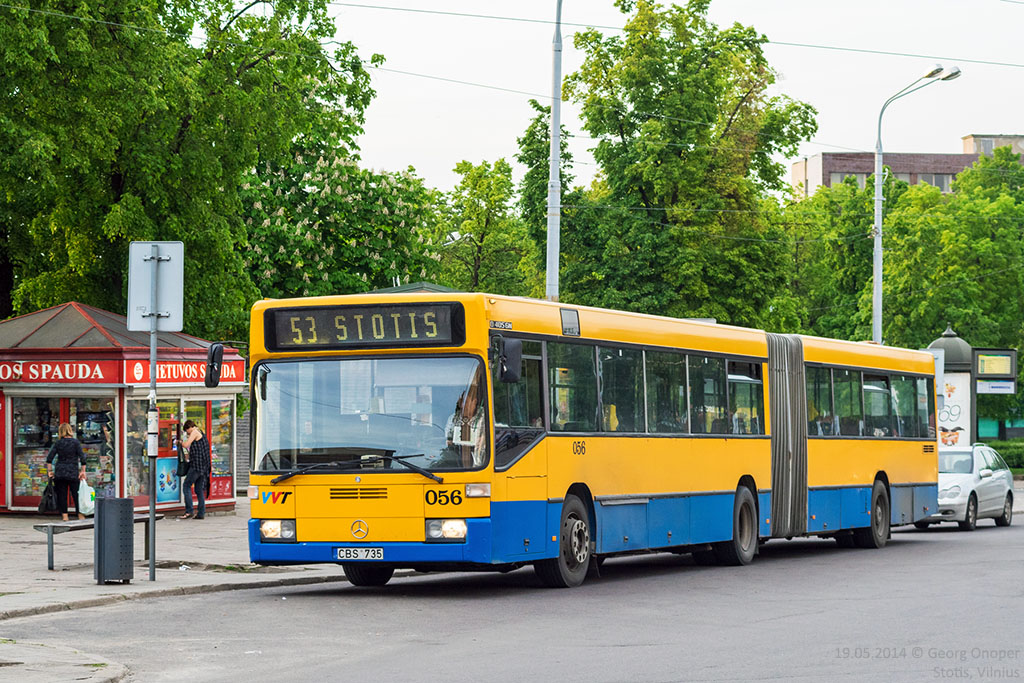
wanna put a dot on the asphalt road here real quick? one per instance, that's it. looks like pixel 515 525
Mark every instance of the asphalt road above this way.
pixel 933 605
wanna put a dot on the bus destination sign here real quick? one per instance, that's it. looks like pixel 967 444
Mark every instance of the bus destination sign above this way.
pixel 383 325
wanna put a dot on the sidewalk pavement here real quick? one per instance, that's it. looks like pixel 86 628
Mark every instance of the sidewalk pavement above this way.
pixel 192 556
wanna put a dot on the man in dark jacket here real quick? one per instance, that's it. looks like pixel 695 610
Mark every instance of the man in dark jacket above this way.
pixel 198 456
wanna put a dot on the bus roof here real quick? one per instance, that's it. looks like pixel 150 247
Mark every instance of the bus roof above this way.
pixel 539 317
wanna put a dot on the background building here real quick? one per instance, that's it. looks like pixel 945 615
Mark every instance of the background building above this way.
pixel 830 168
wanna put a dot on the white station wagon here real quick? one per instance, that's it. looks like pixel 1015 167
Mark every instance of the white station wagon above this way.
pixel 974 483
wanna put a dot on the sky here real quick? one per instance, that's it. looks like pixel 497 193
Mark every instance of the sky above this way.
pixel 437 113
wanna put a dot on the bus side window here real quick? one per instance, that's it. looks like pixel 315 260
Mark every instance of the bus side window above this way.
pixel 518 407
pixel 848 402
pixel 707 395
pixel 622 390
pixel 820 418
pixel 904 400
pixel 877 406
pixel 746 398
pixel 572 378
pixel 926 407
pixel 667 411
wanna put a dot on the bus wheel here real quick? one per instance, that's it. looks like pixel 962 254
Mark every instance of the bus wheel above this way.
pixel 367 574
pixel 740 550
pixel 875 536
pixel 570 567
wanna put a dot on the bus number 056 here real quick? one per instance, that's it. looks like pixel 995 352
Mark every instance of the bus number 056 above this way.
pixel 444 497
pixel 579 447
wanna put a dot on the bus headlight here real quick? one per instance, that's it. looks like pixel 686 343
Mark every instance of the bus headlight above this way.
pixel 446 530
pixel 278 530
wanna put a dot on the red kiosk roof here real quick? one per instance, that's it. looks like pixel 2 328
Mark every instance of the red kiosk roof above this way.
pixel 75 343
pixel 78 326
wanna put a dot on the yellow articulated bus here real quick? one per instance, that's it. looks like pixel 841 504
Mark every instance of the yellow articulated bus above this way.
pixel 479 432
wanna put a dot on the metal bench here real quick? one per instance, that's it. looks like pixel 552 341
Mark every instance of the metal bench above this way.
pixel 51 528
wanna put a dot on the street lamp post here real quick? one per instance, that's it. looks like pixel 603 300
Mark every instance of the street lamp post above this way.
pixel 554 183
pixel 876 299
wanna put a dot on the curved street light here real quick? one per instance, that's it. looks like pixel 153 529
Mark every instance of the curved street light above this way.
pixel 876 299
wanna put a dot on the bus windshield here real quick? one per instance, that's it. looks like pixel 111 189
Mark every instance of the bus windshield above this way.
pixel 345 414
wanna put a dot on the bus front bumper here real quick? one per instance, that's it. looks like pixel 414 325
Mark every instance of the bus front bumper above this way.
pixel 476 549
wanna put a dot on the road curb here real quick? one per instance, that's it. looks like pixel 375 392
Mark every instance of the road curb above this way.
pixel 166 592
pixel 32 662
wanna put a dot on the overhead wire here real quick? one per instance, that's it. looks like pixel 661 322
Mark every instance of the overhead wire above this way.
pixel 370 66
pixel 620 28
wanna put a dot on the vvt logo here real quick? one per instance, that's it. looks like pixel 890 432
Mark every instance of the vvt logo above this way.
pixel 275 496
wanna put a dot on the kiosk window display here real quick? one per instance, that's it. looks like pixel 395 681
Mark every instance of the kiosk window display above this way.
pixel 93 420
pixel 34 429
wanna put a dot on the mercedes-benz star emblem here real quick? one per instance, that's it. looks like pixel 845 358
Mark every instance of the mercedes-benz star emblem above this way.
pixel 360 529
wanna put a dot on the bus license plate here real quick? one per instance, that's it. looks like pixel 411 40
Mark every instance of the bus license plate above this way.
pixel 360 553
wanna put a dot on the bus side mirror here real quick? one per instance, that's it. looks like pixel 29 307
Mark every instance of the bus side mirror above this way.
pixel 510 357
pixel 214 360
pixel 262 381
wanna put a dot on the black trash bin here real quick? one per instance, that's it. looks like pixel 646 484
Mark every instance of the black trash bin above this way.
pixel 114 541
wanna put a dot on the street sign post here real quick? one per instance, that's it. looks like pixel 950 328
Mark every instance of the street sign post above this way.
pixel 156 278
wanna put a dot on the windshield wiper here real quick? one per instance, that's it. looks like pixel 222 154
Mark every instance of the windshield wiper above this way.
pixel 400 459
pixel 363 460
pixel 288 475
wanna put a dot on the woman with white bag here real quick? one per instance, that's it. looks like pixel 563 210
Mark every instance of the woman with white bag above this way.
pixel 70 459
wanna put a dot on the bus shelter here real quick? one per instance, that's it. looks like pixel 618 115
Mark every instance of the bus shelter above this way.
pixel 79 364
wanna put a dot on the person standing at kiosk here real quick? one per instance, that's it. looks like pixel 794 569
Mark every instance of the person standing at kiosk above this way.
pixel 68 469
pixel 197 449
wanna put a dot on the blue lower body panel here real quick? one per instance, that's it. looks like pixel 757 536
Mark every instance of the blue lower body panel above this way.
pixel 831 509
pixel 663 522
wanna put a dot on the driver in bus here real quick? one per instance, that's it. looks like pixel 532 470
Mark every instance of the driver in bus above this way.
pixel 465 431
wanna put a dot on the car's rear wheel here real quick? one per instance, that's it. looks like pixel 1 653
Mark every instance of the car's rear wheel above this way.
pixel 1007 516
pixel 971 516
pixel 367 574
pixel 922 525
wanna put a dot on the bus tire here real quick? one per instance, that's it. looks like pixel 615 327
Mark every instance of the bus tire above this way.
pixel 741 549
pixel 569 569
pixel 367 574
pixel 877 534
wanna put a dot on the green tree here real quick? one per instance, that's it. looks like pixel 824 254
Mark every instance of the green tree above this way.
pixel 485 246
pixel 958 258
pixel 320 224
pixel 686 135
pixel 137 121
